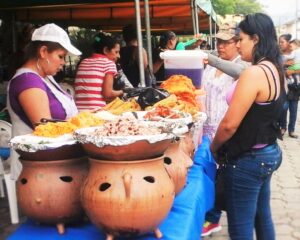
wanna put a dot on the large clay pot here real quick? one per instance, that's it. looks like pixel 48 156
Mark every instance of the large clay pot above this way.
pixel 60 153
pixel 187 144
pixel 177 163
pixel 49 191
pixel 138 150
pixel 127 198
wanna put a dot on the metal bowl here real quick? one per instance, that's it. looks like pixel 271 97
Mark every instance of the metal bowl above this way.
pixel 138 150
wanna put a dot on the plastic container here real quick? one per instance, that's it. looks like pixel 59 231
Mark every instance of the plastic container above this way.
pixel 201 100
pixel 197 129
pixel 187 62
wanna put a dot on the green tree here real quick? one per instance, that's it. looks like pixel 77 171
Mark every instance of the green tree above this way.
pixel 223 7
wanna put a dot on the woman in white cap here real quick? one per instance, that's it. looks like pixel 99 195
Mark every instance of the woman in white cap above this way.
pixel 32 92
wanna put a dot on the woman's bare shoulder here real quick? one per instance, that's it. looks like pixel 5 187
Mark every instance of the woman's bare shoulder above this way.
pixel 252 71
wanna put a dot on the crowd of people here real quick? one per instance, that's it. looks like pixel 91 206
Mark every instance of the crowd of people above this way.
pixel 246 102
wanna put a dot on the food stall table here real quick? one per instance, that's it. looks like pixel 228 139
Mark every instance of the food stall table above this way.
pixel 184 221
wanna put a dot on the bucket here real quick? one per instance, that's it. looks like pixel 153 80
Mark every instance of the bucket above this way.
pixel 186 62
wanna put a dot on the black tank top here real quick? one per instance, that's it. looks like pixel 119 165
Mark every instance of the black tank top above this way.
pixel 130 64
pixel 259 126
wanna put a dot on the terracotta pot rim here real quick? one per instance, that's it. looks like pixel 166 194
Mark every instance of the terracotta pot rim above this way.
pixel 127 161
pixel 54 162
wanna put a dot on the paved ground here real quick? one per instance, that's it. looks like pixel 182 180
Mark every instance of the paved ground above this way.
pixel 285 197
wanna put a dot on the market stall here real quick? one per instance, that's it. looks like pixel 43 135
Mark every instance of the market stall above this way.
pixel 173 15
pixel 184 221
pixel 181 16
pixel 130 167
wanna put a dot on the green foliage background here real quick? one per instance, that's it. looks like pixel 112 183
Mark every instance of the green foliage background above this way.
pixel 223 7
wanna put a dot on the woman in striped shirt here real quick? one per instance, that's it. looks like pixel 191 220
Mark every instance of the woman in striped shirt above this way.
pixel 95 74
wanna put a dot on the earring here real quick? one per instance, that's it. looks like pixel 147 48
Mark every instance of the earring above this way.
pixel 48 62
pixel 38 64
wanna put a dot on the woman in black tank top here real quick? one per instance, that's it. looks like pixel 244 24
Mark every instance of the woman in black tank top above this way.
pixel 246 137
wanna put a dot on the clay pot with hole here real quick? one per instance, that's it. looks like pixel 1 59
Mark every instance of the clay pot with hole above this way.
pixel 177 163
pixel 187 144
pixel 60 153
pixel 127 198
pixel 49 191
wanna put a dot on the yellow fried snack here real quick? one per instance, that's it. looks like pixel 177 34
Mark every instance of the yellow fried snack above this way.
pixel 169 101
pixel 86 119
pixel 113 104
pixel 51 129
pixel 55 129
pixel 129 106
pixel 178 84
pixel 185 92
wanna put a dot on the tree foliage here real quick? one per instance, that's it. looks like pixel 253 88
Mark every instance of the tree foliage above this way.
pixel 223 7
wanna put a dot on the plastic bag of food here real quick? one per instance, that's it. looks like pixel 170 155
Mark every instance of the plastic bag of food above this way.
pixel 151 96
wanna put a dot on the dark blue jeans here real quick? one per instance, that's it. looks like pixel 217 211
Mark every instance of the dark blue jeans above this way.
pixel 247 193
pixel 292 106
pixel 213 215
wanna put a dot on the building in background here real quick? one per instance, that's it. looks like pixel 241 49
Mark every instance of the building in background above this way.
pixel 290 23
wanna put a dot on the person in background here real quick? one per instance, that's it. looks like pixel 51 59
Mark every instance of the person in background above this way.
pixel 294 65
pixel 245 142
pixel 17 58
pixel 284 44
pixel 32 92
pixel 205 45
pixel 95 74
pixel 167 41
pixel 216 84
pixel 289 57
pixel 130 56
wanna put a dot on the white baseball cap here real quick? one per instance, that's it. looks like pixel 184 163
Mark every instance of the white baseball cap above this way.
pixel 53 33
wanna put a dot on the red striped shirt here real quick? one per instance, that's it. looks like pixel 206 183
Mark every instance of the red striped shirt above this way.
pixel 89 80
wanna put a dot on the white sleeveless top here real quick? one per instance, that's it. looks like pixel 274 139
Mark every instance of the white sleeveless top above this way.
pixel 21 128
pixel 216 106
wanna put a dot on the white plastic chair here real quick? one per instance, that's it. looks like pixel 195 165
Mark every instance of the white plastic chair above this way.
pixel 5 128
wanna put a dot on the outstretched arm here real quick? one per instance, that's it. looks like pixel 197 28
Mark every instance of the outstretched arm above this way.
pixel 232 69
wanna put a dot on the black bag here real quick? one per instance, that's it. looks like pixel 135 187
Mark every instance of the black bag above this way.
pixel 151 96
pixel 294 90
pixel 220 200
pixel 118 84
pixel 119 79
pixel 134 92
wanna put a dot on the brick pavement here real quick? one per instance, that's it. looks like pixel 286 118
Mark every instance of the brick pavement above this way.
pixel 285 198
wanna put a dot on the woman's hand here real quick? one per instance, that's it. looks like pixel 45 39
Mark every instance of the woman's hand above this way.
pixel 289 72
